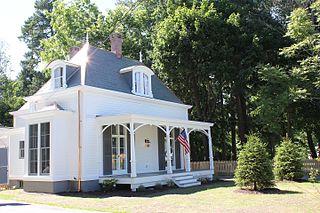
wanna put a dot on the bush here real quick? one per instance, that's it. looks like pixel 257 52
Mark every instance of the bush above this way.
pixel 288 161
pixel 254 168
pixel 141 188
pixel 204 180
pixel 171 184
pixel 158 186
pixel 313 175
pixel 108 185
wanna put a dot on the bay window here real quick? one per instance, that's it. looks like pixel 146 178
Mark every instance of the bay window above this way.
pixel 39 145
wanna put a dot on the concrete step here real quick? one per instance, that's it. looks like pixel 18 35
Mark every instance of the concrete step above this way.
pixel 190 184
pixel 185 177
pixel 186 181
pixel 181 182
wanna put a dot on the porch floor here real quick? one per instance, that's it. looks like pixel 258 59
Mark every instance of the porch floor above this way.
pixel 153 178
pixel 148 174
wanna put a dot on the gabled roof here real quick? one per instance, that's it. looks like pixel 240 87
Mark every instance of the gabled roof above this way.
pixel 103 71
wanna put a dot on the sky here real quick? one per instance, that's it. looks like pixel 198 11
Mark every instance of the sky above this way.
pixel 13 13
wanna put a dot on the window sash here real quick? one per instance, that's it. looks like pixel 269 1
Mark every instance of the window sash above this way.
pixel 145 84
pixel 33 149
pixel 21 149
pixel 142 83
pixel 39 149
pixel 58 77
pixel 45 148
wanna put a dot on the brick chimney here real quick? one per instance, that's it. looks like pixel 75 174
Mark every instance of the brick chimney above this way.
pixel 116 44
pixel 73 51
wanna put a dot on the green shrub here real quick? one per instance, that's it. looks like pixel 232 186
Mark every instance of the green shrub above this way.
pixel 141 188
pixel 288 161
pixel 254 168
pixel 313 175
pixel 108 185
pixel 171 184
pixel 204 180
pixel 158 186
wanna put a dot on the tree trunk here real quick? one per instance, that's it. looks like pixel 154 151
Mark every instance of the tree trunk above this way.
pixel 312 148
pixel 289 124
pixel 233 137
pixel 318 139
pixel 223 140
pixel 242 117
pixel 255 186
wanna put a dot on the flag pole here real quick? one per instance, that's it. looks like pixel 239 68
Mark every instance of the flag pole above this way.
pixel 184 157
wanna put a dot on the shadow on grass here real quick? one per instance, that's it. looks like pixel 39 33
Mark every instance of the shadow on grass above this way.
pixel 272 191
pixel 152 192
pixel 14 204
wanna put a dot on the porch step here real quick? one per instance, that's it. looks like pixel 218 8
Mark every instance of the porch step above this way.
pixel 185 177
pixel 191 184
pixel 186 181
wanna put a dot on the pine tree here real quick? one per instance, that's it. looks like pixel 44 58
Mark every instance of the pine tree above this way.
pixel 254 168
pixel 288 161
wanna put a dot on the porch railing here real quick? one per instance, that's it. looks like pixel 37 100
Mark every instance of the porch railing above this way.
pixel 308 164
pixel 227 168
pixel 220 167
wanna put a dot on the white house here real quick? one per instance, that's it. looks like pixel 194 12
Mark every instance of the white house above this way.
pixel 101 116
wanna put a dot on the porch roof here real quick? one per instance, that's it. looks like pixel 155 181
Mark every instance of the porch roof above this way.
pixel 152 120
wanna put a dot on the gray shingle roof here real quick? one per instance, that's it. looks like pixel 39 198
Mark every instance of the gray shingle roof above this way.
pixel 103 71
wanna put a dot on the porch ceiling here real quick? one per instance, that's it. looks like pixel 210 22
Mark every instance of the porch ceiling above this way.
pixel 152 120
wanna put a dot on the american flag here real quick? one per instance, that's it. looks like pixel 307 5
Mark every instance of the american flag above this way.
pixel 182 138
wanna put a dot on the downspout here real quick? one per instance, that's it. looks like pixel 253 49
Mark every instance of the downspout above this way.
pixel 79 143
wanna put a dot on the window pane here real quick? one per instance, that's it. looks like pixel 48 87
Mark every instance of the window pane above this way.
pixel 145 84
pixel 58 72
pixel 137 82
pixel 45 148
pixel 114 130
pixel 33 149
pixel 21 149
pixel 121 130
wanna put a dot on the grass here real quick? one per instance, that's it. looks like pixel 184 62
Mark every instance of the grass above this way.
pixel 216 197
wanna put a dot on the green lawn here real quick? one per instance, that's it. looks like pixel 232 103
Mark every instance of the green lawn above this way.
pixel 216 197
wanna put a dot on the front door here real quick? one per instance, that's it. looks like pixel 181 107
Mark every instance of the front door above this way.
pixel 119 150
pixel 172 151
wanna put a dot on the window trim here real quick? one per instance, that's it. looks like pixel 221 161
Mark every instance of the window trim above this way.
pixel 64 76
pixel 33 149
pixel 38 152
pixel 43 148
pixel 21 149
pixel 141 84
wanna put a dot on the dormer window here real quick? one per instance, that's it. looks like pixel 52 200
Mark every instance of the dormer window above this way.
pixel 59 74
pixel 141 80
pixel 58 77
pixel 142 84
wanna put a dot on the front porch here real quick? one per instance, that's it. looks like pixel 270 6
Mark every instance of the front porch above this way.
pixel 154 178
pixel 142 150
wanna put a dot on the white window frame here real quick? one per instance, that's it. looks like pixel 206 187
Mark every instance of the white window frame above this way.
pixel 117 136
pixel 21 149
pixel 142 84
pixel 63 77
pixel 138 88
pixel 38 150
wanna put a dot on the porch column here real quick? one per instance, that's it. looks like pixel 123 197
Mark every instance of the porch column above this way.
pixel 210 151
pixel 188 159
pixel 168 156
pixel 132 152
